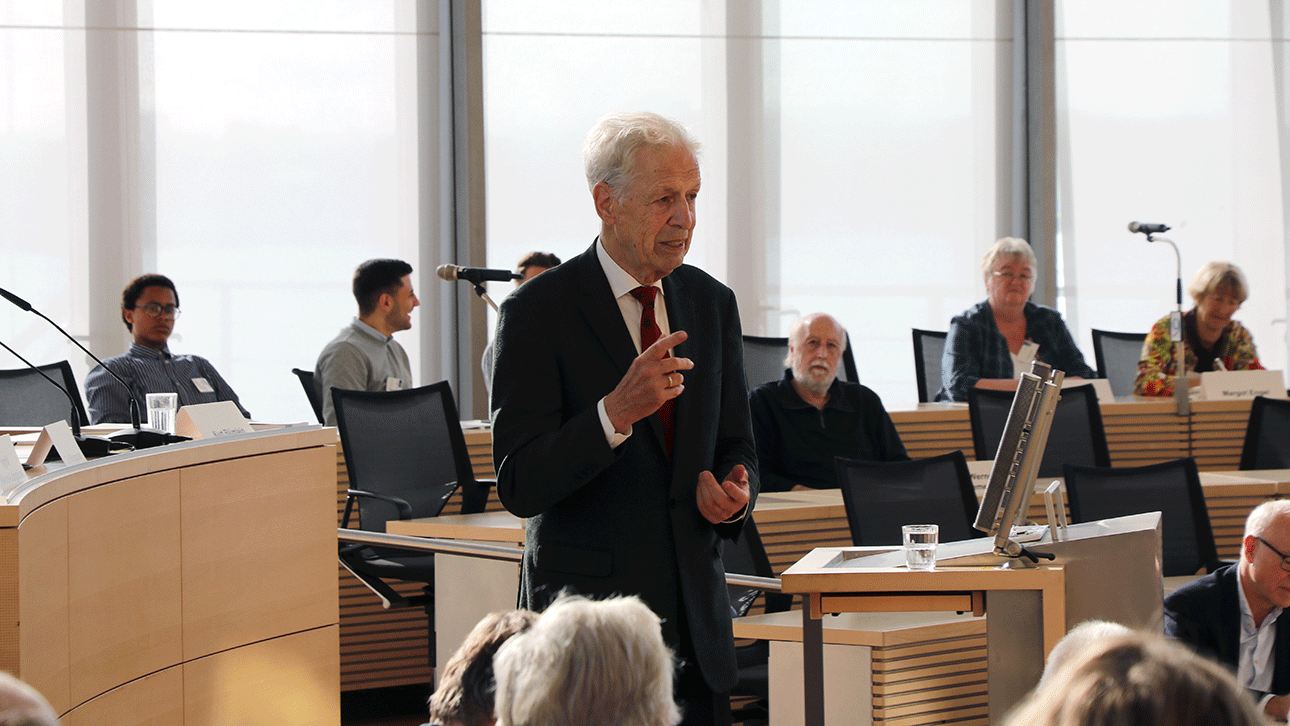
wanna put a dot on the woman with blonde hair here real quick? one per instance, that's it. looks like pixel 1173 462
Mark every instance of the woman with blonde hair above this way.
pixel 1212 340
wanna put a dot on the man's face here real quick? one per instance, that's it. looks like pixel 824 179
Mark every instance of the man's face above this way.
pixel 147 329
pixel 647 228
pixel 1267 584
pixel 815 352
pixel 399 316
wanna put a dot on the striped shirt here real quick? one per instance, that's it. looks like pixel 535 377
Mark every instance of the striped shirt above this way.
pixel 149 370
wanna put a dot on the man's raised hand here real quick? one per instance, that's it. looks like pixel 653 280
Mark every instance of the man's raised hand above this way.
pixel 654 377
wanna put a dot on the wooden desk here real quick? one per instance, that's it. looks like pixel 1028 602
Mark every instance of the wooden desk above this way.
pixel 190 584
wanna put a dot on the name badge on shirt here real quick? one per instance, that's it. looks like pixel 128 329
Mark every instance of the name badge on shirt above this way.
pixel 203 385
pixel 1024 358
pixel 393 384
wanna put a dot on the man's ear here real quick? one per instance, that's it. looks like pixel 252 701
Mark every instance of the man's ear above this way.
pixel 1247 547
pixel 605 202
pixel 385 302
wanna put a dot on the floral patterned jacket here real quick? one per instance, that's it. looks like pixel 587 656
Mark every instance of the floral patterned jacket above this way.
pixel 1157 367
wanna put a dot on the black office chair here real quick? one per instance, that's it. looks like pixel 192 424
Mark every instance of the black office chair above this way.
pixel 27 399
pixel 928 347
pixel 406 455
pixel 881 496
pixel 764 361
pixel 311 392
pixel 1076 435
pixel 1267 435
pixel 1171 488
pixel 1117 356
pixel 747 556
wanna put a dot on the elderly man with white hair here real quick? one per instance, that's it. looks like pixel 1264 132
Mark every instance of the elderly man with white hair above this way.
pixel 22 705
pixel 805 420
pixel 587 663
pixel 1234 615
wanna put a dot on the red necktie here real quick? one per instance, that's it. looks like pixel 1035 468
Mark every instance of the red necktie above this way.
pixel 650 334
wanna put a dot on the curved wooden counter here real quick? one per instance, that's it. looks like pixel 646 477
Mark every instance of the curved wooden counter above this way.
pixel 190 584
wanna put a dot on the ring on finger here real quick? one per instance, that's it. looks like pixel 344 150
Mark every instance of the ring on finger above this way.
pixel 669 381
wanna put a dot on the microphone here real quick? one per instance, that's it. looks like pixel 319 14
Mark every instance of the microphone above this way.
pixel 1148 229
pixel 90 445
pixel 140 438
pixel 473 275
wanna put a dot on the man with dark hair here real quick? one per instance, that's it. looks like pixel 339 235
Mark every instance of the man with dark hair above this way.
pixel 149 309
pixel 620 413
pixel 530 266
pixel 467 687
pixel 365 356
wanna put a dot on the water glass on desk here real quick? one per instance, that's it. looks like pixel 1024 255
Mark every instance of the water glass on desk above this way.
pixel 920 545
pixel 161 411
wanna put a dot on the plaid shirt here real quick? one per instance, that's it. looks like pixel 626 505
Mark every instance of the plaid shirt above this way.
pixel 975 349
pixel 148 370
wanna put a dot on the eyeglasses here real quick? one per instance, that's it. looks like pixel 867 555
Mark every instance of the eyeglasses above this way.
pixel 1285 559
pixel 1010 276
pixel 156 310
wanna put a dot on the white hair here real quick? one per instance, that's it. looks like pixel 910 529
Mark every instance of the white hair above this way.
pixel 589 663
pixel 1263 515
pixel 1007 247
pixel 1080 638
pixel 22 705
pixel 610 151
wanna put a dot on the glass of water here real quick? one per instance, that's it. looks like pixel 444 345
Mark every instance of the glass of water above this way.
pixel 920 545
pixel 161 411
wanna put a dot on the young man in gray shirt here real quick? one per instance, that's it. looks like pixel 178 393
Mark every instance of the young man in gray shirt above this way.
pixel 365 356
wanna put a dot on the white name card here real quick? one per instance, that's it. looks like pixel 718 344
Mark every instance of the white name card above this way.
pixel 11 473
pixel 1241 385
pixel 211 420
pixel 1101 387
pixel 57 436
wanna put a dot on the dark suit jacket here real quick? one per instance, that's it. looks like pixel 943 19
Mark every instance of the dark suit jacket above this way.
pixel 608 521
pixel 1206 614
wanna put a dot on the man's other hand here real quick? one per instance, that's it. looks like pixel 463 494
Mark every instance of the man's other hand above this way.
pixel 720 502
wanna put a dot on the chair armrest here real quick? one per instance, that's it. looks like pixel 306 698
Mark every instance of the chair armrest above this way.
pixel 405 509
pixel 390 598
pixel 474 496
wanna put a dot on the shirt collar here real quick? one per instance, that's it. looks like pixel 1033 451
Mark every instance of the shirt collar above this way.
pixel 1247 616
pixel 371 332
pixel 142 351
pixel 790 398
pixel 620 281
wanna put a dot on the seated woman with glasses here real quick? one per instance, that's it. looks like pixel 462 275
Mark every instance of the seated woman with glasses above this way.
pixel 1212 340
pixel 993 342
pixel 149 308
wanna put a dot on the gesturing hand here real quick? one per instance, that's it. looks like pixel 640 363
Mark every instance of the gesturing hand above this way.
pixel 719 502
pixel 653 378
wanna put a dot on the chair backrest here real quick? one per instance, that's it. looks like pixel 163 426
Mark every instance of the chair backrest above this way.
pixel 1171 488
pixel 1267 435
pixel 881 496
pixel 764 361
pixel 405 444
pixel 746 555
pixel 1076 435
pixel 1117 357
pixel 928 347
pixel 311 391
pixel 27 399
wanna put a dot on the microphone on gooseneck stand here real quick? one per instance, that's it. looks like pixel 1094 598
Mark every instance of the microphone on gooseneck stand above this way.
pixel 91 446
pixel 140 438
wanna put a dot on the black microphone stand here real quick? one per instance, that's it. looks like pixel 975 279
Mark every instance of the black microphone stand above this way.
pixel 481 292
pixel 1182 392
pixel 90 446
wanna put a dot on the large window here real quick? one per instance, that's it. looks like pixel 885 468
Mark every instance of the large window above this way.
pixel 1170 113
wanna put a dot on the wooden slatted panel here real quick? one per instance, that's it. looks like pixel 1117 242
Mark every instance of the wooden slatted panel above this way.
pixel 1141 433
pixel 934 428
pixel 936 681
pixel 1218 433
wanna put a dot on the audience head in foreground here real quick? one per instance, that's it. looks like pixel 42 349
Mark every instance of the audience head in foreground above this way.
pixel 466 688
pixel 1080 638
pixel 1138 680
pixel 22 705
pixel 589 663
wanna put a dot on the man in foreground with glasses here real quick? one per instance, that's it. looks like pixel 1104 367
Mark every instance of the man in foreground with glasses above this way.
pixel 149 309
pixel 1234 615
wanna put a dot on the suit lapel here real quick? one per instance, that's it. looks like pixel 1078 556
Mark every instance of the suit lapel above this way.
pixel 679 318
pixel 601 311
